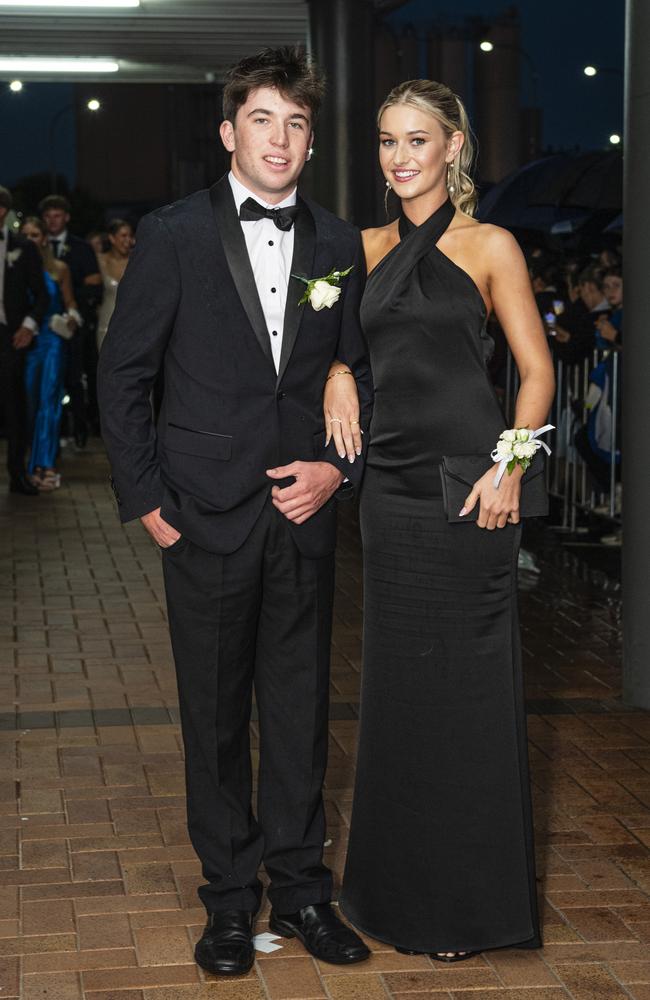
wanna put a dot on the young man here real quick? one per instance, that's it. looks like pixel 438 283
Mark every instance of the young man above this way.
pixel 23 305
pixel 237 487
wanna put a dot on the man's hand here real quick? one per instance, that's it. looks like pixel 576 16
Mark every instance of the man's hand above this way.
pixel 22 337
pixel 315 483
pixel 162 533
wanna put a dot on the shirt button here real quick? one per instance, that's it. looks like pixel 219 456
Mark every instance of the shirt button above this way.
pixel 271 243
pixel 274 332
pixel 273 289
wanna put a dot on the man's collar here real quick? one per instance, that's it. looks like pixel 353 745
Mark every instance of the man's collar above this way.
pixel 62 237
pixel 241 193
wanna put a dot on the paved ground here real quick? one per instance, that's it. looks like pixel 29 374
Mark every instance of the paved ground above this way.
pixel 97 879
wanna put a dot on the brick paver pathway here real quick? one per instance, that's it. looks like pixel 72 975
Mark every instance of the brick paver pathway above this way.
pixel 97 878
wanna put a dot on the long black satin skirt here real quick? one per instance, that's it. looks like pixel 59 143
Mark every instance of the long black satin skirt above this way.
pixel 440 853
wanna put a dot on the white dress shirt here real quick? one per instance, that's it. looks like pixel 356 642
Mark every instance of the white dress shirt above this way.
pixel 270 251
pixel 30 323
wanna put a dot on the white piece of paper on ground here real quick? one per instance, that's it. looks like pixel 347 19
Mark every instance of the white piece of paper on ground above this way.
pixel 266 943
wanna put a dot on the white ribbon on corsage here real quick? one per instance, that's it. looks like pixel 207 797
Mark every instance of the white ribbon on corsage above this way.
pixel 518 445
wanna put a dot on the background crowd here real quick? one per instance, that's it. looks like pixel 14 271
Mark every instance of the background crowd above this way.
pixel 69 286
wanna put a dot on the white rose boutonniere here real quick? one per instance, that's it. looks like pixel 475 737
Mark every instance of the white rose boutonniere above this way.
pixel 323 292
pixel 13 256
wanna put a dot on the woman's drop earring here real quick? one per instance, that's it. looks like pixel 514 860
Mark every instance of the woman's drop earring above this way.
pixel 388 188
pixel 450 178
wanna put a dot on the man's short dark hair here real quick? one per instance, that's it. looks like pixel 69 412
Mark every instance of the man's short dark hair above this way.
pixel 54 201
pixel 287 69
pixel 6 201
pixel 591 275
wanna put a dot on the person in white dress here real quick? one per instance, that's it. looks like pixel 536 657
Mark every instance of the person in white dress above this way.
pixel 112 265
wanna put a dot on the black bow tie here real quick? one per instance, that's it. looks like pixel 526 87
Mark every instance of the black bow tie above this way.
pixel 283 218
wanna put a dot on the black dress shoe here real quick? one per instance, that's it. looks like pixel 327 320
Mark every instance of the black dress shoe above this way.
pixel 226 945
pixel 21 484
pixel 322 933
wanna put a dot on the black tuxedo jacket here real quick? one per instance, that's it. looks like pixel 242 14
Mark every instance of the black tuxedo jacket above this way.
pixel 82 261
pixel 80 258
pixel 25 291
pixel 188 302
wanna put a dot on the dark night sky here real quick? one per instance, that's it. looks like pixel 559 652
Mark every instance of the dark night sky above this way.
pixel 561 36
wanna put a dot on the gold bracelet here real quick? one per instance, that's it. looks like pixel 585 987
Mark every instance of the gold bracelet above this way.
pixel 343 371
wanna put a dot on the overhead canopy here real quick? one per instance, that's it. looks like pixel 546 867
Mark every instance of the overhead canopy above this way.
pixel 161 41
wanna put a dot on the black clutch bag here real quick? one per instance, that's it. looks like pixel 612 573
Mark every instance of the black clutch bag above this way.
pixel 460 472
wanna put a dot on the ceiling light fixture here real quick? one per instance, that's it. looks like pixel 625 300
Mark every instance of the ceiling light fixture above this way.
pixel 16 86
pixel 54 65
pixel 70 3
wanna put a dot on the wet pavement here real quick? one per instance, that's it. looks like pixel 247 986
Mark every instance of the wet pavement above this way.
pixel 97 877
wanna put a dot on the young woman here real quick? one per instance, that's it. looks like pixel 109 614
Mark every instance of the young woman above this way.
pixel 112 265
pixel 440 854
pixel 44 364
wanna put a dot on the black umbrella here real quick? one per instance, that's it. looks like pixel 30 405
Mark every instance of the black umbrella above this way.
pixel 511 204
pixel 589 181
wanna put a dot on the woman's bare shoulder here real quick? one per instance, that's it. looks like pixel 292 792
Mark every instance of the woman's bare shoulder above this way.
pixel 495 238
pixel 378 242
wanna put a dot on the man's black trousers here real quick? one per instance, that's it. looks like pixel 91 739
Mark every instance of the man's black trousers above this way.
pixel 12 402
pixel 260 616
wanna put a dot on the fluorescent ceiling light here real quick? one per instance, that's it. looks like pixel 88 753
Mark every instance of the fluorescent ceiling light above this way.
pixel 69 3
pixel 53 65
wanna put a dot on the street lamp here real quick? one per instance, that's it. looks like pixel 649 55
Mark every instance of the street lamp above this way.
pixel 615 139
pixel 92 105
pixel 597 70
pixel 486 45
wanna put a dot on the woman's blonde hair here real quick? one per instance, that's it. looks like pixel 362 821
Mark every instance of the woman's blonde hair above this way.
pixel 446 107
pixel 45 250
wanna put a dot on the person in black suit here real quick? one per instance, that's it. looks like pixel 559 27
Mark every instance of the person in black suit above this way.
pixel 23 304
pixel 237 486
pixel 87 286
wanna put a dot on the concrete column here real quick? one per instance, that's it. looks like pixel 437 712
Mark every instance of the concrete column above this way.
pixel 497 75
pixel 447 60
pixel 636 360
pixel 344 164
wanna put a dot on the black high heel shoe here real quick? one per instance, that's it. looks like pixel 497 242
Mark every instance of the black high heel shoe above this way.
pixel 459 956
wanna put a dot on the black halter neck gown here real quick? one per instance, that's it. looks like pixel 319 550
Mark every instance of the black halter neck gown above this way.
pixel 441 844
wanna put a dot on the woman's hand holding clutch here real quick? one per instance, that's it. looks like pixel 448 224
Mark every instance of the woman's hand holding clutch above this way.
pixel 499 505
pixel 341 410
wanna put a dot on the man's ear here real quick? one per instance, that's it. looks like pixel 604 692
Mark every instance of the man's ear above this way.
pixel 227 133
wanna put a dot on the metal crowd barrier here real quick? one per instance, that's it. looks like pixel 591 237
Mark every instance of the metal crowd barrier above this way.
pixel 568 477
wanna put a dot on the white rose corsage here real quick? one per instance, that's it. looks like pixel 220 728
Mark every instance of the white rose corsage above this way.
pixel 322 293
pixel 13 256
pixel 518 446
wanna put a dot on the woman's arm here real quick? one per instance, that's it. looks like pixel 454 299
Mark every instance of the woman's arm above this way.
pixel 341 409
pixel 65 282
pixel 514 304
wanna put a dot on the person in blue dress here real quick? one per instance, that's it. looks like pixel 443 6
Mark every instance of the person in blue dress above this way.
pixel 44 364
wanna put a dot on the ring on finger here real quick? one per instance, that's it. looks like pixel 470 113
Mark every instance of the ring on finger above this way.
pixel 335 420
pixel 353 422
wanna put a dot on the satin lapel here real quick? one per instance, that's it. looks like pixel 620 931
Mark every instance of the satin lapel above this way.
pixel 304 247
pixel 234 246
